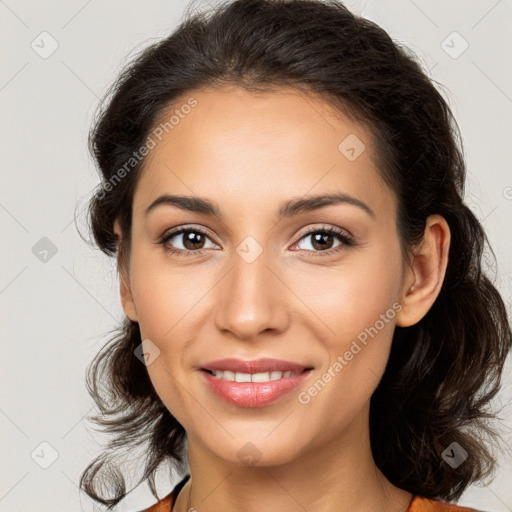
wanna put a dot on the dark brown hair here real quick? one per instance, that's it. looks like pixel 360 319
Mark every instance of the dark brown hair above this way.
pixel 443 371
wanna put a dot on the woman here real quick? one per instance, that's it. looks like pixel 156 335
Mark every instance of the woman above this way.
pixel 308 326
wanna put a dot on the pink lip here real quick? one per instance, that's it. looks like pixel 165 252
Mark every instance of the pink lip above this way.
pixel 253 394
pixel 255 366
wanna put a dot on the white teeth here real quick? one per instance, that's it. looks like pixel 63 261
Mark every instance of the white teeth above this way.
pixel 260 377
pixel 242 377
pixel 253 377
pixel 227 375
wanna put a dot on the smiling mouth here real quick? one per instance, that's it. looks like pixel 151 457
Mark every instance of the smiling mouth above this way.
pixel 256 389
pixel 254 377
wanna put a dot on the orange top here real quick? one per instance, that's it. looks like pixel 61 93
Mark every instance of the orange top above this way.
pixel 417 504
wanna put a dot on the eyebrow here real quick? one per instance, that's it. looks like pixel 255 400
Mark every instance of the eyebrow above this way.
pixel 287 209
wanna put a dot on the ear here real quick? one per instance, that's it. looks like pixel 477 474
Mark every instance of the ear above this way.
pixel 425 274
pixel 124 280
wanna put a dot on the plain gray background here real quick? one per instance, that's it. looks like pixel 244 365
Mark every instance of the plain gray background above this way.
pixel 58 306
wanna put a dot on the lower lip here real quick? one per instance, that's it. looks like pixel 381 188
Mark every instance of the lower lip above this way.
pixel 253 394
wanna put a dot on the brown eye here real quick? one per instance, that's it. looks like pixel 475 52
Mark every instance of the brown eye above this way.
pixel 193 240
pixel 324 240
pixel 186 240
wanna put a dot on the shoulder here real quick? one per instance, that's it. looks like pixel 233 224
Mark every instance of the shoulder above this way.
pixel 418 503
pixel 166 503
pixel 422 504
pixel 163 505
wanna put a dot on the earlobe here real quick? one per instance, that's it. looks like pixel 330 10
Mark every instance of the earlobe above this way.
pixel 125 290
pixel 127 301
pixel 425 274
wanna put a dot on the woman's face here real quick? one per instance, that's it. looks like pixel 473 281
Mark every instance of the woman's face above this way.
pixel 256 284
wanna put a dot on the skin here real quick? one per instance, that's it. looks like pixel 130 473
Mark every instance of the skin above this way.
pixel 249 153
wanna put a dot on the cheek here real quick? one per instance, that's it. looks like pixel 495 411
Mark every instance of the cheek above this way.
pixel 352 297
pixel 166 297
pixel 168 301
pixel 357 305
pixel 165 302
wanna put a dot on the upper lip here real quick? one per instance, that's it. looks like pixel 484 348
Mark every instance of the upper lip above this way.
pixel 254 366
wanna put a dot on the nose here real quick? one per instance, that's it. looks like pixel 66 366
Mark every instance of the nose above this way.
pixel 252 298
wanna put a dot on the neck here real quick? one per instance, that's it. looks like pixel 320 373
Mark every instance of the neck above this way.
pixel 336 476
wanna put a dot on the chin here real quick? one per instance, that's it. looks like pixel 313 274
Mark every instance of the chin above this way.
pixel 257 451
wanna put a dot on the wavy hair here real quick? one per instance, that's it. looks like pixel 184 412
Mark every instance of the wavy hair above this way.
pixel 443 371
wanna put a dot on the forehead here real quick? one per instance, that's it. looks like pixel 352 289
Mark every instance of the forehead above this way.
pixel 241 147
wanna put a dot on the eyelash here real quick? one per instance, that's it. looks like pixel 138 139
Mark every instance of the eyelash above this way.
pixel 347 241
